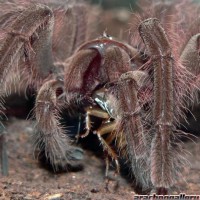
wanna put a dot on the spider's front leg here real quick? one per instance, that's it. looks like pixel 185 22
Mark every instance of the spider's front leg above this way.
pixel 164 167
pixel 51 138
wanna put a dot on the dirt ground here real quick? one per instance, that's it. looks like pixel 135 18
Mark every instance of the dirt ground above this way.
pixel 27 180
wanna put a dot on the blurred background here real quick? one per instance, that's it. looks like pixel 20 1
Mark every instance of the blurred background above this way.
pixel 116 17
pixel 108 4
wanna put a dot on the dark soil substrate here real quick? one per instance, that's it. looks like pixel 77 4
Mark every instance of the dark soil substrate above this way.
pixel 28 180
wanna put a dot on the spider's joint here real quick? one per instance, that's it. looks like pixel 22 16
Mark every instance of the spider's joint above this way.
pixel 165 56
pixel 18 34
pixel 164 124
pixel 130 114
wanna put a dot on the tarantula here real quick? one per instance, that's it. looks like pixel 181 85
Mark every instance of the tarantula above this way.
pixel 140 90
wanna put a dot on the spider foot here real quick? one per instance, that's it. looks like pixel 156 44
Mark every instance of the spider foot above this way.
pixel 71 163
pixel 75 156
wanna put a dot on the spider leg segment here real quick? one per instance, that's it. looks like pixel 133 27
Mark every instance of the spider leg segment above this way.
pixel 80 67
pixel 50 136
pixel 155 39
pixel 129 124
pixel 33 28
